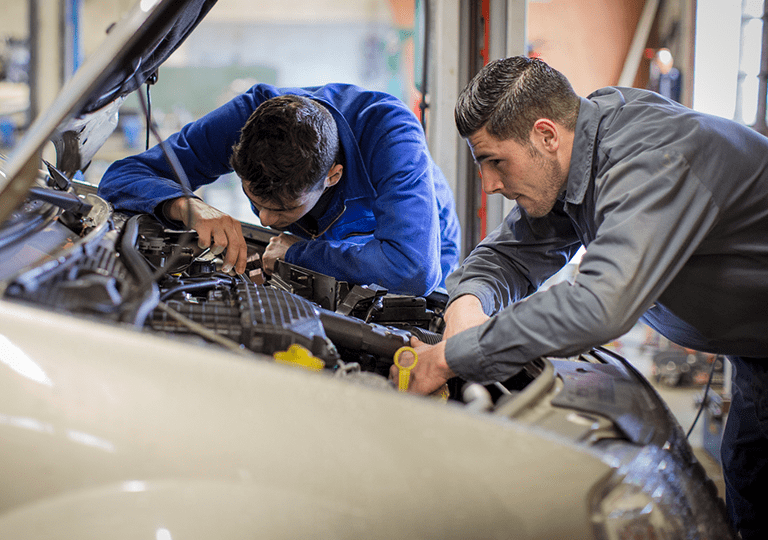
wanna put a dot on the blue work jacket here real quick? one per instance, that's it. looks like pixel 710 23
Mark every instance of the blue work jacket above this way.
pixel 392 219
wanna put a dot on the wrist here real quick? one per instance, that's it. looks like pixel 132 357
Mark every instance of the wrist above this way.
pixel 445 370
pixel 175 209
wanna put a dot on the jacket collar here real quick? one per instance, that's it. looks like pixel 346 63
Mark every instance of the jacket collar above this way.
pixel 354 167
pixel 584 143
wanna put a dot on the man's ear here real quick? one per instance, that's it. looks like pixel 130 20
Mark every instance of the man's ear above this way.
pixel 334 175
pixel 547 133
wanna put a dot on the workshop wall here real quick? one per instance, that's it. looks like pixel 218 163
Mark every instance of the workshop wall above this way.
pixel 13 11
pixel 589 40
pixel 300 43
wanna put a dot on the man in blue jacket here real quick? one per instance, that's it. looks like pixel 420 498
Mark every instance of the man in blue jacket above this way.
pixel 344 172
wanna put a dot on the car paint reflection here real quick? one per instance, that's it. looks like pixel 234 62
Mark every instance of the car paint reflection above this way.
pixel 18 361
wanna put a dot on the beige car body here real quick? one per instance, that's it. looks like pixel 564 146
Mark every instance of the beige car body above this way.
pixel 111 433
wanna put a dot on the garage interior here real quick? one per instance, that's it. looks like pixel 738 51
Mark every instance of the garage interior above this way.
pixel 422 51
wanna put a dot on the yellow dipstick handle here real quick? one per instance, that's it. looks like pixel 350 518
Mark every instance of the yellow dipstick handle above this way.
pixel 405 360
pixel 297 355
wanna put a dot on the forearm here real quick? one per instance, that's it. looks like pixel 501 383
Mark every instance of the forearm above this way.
pixel 140 183
pixel 131 184
pixel 463 312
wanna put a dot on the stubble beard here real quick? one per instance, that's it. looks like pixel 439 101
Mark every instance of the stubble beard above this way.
pixel 552 184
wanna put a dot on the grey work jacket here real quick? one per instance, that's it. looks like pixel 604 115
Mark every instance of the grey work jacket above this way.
pixel 672 207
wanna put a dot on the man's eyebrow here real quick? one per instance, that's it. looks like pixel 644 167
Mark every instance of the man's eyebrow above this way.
pixel 479 155
pixel 280 209
pixel 479 158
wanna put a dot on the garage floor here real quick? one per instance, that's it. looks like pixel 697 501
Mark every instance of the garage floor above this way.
pixel 681 400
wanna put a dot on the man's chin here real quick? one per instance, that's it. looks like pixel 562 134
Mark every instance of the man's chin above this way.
pixel 535 212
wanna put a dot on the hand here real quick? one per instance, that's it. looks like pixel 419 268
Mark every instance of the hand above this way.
pixel 464 312
pixel 276 249
pixel 215 229
pixel 430 373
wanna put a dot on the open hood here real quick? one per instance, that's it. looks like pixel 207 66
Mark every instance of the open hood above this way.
pixel 84 113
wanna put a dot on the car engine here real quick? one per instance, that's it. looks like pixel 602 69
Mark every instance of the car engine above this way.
pixel 129 269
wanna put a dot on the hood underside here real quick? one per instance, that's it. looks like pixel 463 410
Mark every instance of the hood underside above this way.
pixel 133 50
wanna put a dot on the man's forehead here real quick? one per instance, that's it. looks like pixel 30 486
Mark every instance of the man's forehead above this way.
pixel 272 205
pixel 481 144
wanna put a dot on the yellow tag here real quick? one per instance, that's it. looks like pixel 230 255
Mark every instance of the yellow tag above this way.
pixel 299 356
pixel 405 360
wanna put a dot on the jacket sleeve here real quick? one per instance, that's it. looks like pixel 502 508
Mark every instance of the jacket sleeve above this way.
pixel 515 259
pixel 403 254
pixel 140 183
pixel 651 214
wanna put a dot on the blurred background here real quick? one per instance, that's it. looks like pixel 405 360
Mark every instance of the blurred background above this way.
pixel 422 51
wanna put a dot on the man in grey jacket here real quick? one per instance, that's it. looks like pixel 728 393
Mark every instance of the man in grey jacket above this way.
pixel 672 208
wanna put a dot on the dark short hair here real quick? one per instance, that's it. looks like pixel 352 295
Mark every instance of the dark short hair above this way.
pixel 508 95
pixel 286 148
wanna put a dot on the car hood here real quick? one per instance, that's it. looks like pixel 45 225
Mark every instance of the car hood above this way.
pixel 207 445
pixel 84 113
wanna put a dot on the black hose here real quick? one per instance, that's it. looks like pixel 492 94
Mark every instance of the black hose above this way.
pixel 149 294
pixel 196 286
pixel 369 338
pixel 425 336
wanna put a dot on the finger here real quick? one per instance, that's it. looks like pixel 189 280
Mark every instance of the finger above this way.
pixel 416 342
pixel 242 258
pixel 394 373
pixel 271 254
pixel 217 248
pixel 203 237
pixel 267 262
pixel 237 253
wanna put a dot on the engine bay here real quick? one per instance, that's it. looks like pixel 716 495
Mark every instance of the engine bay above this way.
pixel 132 270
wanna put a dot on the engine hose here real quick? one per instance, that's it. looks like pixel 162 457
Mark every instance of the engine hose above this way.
pixel 355 334
pixel 148 292
pixel 196 286
pixel 425 336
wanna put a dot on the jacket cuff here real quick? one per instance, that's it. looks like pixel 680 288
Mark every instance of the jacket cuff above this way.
pixel 463 356
pixel 486 297
pixel 161 213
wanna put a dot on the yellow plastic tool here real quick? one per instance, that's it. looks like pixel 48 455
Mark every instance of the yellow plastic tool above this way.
pixel 405 360
pixel 299 356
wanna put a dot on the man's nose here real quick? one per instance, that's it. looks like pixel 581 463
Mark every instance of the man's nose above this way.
pixel 491 182
pixel 267 218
